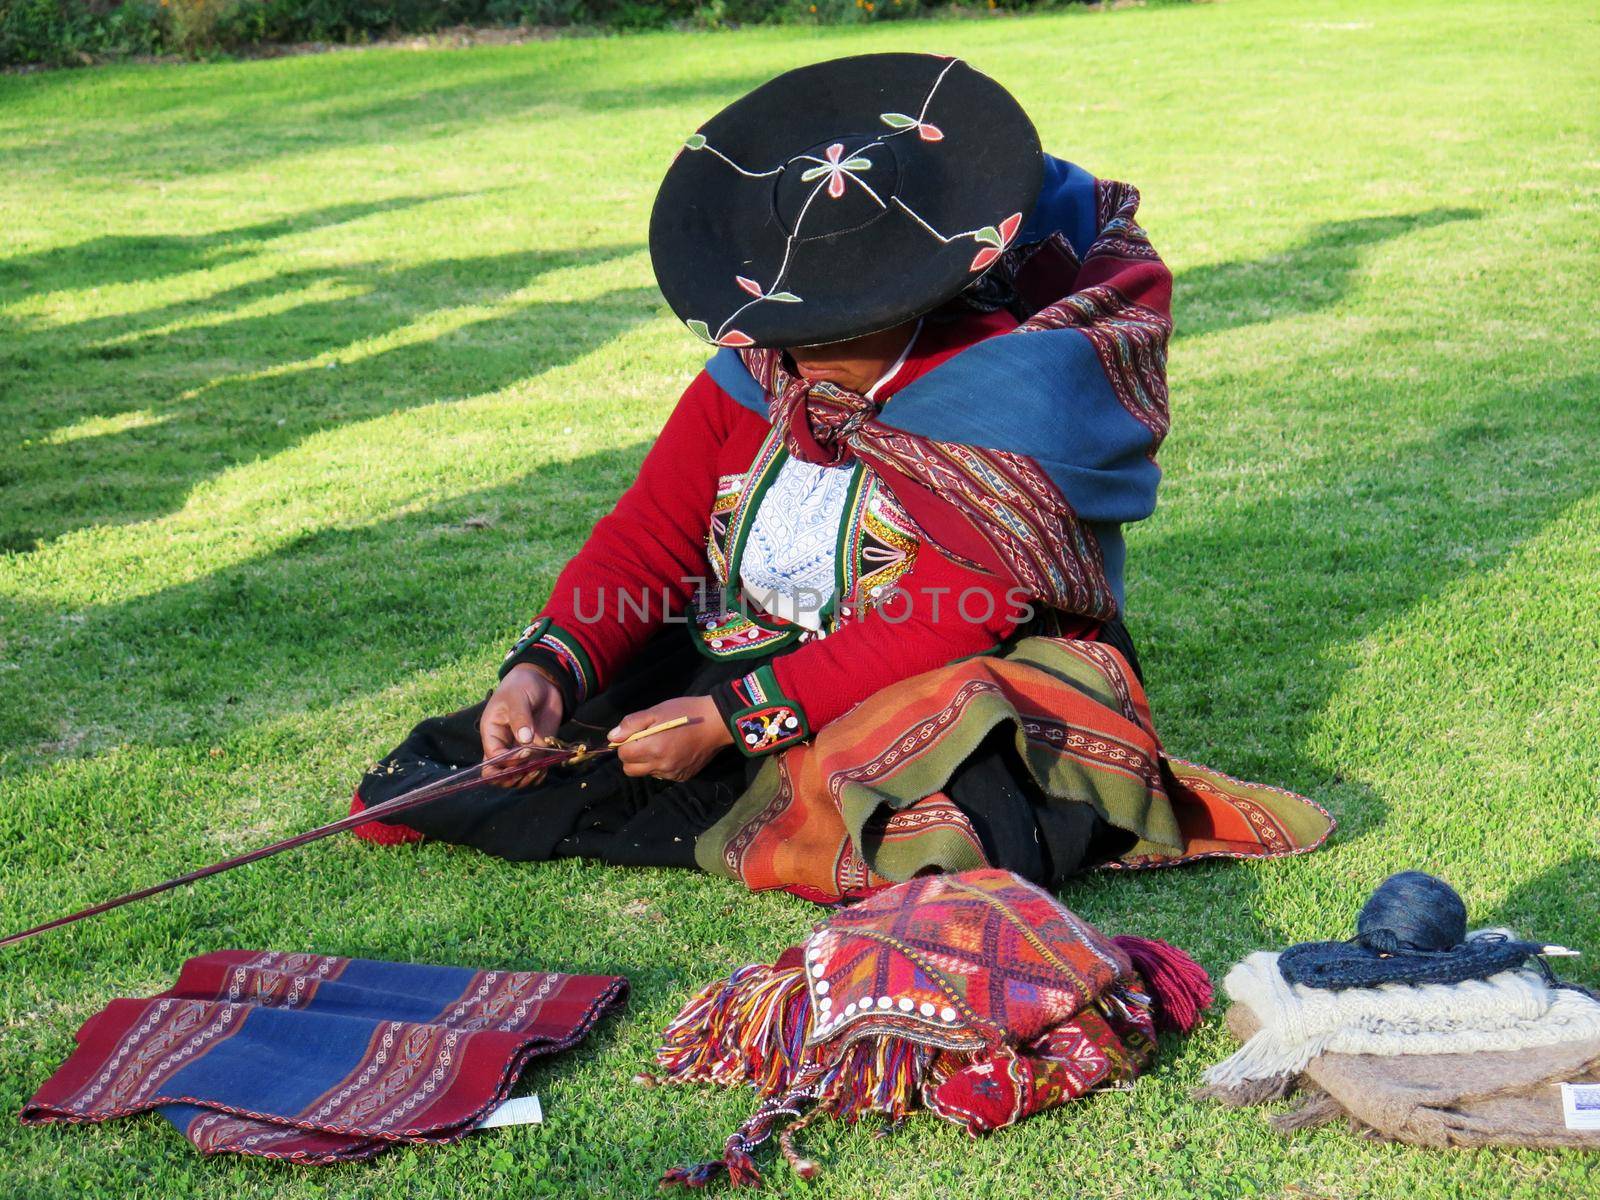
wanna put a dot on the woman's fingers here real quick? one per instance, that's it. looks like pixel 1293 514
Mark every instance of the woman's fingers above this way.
pixel 513 774
pixel 507 723
pixel 523 714
pixel 659 755
pixel 631 724
pixel 496 734
pixel 503 717
pixel 637 758
pixel 676 753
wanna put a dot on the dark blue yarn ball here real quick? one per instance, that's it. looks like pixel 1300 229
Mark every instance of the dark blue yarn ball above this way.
pixel 1412 910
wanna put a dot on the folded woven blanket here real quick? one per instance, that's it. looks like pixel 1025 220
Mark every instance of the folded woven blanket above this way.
pixel 1489 1098
pixel 1514 1010
pixel 977 996
pixel 318 1059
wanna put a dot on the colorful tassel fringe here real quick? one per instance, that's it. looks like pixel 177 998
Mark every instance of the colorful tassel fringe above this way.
pixel 751 1028
pixel 1179 986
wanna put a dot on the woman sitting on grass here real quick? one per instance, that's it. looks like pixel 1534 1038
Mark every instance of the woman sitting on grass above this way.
pixel 875 556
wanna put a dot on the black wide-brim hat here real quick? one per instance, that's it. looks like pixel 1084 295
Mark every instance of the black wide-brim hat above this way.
pixel 1335 965
pixel 841 199
pixel 1411 930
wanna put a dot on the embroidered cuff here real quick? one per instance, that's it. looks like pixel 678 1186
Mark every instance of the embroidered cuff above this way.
pixel 545 644
pixel 761 718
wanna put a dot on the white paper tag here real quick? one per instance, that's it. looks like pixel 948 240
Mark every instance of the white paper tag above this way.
pixel 1580 1105
pixel 521 1110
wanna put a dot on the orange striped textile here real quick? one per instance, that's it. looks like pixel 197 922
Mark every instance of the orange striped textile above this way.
pixel 863 805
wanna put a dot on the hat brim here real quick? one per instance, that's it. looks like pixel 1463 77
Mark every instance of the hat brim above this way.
pixel 1334 965
pixel 764 234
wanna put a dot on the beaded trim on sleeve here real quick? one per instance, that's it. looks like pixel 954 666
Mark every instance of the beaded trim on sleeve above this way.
pixel 761 718
pixel 545 634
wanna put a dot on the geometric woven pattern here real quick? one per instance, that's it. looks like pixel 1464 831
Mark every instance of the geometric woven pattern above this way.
pixel 976 960
pixel 316 1059
pixel 975 995
pixel 1086 735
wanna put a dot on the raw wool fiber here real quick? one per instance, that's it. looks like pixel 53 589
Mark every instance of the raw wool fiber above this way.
pixel 975 995
pixel 1515 1010
pixel 1491 1098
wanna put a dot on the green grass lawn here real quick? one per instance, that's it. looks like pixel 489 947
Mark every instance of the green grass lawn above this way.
pixel 314 371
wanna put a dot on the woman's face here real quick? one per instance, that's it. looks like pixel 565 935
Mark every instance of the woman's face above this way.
pixel 855 364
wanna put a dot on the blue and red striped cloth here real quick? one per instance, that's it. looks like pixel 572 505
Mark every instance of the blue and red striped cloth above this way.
pixel 319 1059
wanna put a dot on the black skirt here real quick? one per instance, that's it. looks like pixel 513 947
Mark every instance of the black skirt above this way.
pixel 595 811
pixel 591 810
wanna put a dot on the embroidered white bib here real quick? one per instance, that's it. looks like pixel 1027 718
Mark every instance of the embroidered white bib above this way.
pixel 790 561
pixel 790 556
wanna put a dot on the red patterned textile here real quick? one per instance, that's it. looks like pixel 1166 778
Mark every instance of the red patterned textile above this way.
pixel 964 961
pixel 1093 1049
pixel 977 995
pixel 995 509
pixel 320 1059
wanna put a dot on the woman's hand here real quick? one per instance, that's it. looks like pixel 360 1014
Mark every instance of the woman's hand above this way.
pixel 677 754
pixel 525 710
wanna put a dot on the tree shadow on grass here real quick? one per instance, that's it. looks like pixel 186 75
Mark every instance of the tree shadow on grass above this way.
pixel 1317 272
pixel 246 115
pixel 193 374
pixel 130 258
pixel 1243 638
pixel 208 391
pixel 331 615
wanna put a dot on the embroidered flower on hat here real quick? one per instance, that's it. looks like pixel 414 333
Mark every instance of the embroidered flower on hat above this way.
pixel 830 193
pixel 731 337
pixel 994 240
pixel 836 171
pixel 927 131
